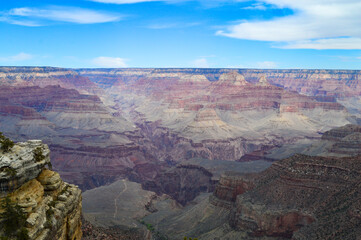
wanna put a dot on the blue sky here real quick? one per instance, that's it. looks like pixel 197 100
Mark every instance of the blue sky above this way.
pixel 181 33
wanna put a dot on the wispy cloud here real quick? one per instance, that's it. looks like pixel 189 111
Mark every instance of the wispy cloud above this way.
pixel 315 24
pixel 200 63
pixel 17 58
pixel 42 16
pixel 109 62
pixel 256 6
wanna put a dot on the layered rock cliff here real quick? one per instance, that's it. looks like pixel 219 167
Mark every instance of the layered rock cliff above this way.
pixel 46 76
pixel 49 207
pixel 74 125
pixel 228 117
pixel 301 197
pixel 119 123
pixel 317 82
pixel 341 142
pixel 182 183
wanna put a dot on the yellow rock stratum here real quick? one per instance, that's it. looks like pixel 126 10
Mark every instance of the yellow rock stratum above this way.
pixel 51 207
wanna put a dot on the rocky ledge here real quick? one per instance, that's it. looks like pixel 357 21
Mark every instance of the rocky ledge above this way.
pixel 36 203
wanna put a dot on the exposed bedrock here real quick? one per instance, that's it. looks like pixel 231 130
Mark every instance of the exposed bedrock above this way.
pixel 259 220
pixel 50 207
pixel 47 76
pixel 231 185
pixel 320 82
pixel 183 183
pixel 97 166
pixel 341 132
pixel 295 197
pixel 21 166
pixel 140 122
pixel 172 147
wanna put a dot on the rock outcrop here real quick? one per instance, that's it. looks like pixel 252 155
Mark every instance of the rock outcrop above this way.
pixel 51 207
pixel 301 197
pixel 262 81
pixel 341 142
pixel 183 183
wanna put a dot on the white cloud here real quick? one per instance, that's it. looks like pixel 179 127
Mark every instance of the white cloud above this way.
pixel 22 22
pixel 319 24
pixel 266 64
pixel 256 6
pixel 40 16
pixel 109 62
pixel 17 58
pixel 200 63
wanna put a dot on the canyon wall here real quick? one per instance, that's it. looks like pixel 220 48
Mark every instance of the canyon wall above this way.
pixel 315 82
pixel 301 197
pixel 135 123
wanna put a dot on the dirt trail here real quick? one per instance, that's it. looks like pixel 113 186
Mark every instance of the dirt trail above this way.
pixel 115 200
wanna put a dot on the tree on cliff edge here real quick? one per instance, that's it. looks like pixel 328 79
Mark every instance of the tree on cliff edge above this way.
pixel 6 143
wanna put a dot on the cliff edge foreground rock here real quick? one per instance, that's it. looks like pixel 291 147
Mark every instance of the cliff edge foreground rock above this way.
pixel 35 202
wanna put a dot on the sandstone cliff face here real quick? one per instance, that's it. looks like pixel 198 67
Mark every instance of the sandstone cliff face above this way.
pixel 52 207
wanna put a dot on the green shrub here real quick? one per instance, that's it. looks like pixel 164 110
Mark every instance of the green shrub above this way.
pixel 2 137
pixel 65 189
pixel 38 154
pixel 50 166
pixel 10 171
pixel 149 227
pixel 23 234
pixel 14 220
pixel 49 213
pixel 6 144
